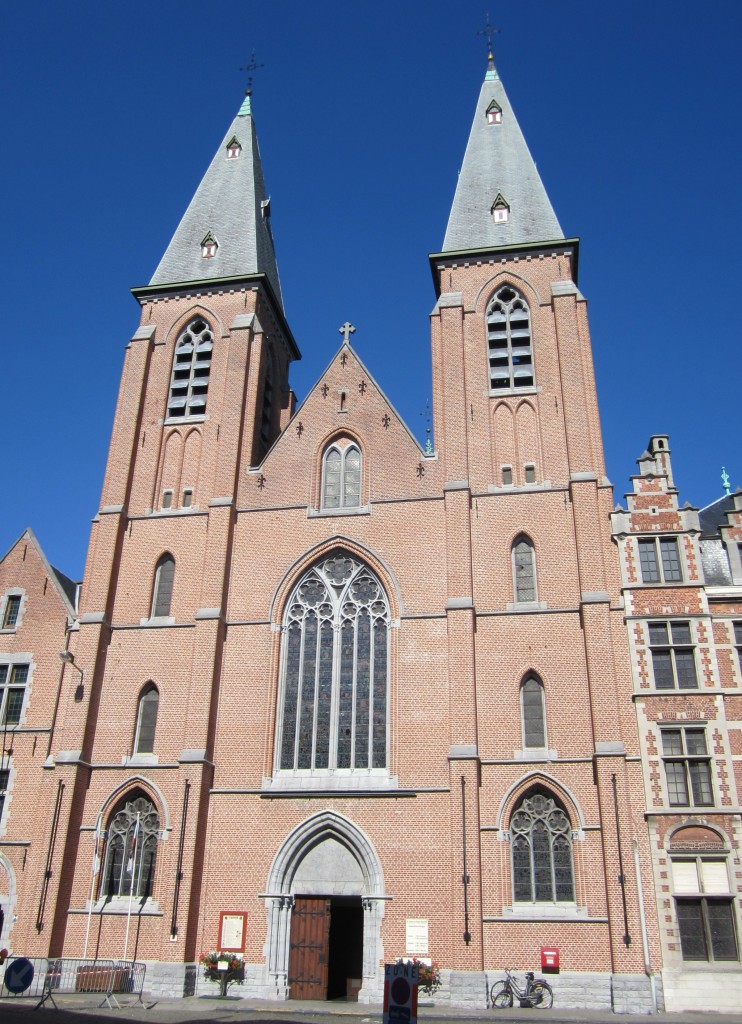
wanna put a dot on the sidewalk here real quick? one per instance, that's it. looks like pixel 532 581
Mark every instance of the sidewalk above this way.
pixel 83 1009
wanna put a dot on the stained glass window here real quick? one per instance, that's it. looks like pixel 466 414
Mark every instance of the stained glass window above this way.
pixel 541 839
pixel 524 570
pixel 131 848
pixel 335 670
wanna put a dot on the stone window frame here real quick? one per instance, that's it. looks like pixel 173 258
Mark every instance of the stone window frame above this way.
pixel 660 559
pixel 674 655
pixel 701 898
pixel 9 666
pixel 529 685
pixel 11 595
pixel 691 768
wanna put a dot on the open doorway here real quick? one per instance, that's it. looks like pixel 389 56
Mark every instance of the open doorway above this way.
pixel 326 949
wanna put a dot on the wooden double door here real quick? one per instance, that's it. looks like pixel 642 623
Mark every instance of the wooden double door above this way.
pixel 326 947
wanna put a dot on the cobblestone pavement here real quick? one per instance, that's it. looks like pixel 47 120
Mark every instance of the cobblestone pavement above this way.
pixel 84 1009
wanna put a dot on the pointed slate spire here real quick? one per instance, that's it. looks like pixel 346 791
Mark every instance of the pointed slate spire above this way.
pixel 230 208
pixel 498 166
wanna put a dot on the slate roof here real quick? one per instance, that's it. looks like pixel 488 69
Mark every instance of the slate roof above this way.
pixel 714 516
pixel 497 160
pixel 229 203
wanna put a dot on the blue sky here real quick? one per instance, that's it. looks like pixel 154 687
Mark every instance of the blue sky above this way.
pixel 111 113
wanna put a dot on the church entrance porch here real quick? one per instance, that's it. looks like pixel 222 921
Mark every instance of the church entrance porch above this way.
pixel 325 904
pixel 326 948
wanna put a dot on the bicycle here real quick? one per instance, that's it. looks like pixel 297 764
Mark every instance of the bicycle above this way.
pixel 534 993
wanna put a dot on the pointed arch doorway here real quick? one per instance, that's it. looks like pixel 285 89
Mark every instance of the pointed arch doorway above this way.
pixel 325 906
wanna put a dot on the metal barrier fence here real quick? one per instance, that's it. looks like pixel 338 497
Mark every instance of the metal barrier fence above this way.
pixel 64 975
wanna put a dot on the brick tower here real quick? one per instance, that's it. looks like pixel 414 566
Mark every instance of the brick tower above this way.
pixel 346 699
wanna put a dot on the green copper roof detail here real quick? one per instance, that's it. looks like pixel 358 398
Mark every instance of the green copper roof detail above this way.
pixel 245 110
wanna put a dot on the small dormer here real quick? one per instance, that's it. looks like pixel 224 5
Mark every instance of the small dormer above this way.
pixel 209 246
pixel 233 148
pixel 494 113
pixel 500 210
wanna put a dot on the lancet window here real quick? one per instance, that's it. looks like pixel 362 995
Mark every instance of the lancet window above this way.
pixel 341 476
pixel 541 840
pixel 131 848
pixel 509 341
pixel 335 671
pixel 189 383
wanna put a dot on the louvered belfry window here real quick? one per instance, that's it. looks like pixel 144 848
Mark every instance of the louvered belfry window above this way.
pixel 335 670
pixel 509 341
pixel 541 839
pixel 189 383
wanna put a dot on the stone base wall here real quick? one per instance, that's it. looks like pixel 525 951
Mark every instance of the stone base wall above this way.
pixel 622 993
pixel 718 991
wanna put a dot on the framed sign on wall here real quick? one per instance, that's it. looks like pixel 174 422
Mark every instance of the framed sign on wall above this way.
pixel 232 931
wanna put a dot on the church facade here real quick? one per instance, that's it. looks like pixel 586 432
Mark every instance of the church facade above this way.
pixel 287 728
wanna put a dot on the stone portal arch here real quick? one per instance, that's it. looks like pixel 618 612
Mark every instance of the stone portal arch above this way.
pixel 326 855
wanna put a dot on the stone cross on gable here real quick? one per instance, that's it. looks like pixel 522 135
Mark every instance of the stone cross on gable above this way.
pixel 346 330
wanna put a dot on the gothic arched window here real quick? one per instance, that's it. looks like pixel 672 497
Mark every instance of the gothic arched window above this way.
pixel 144 737
pixel 524 570
pixel 534 716
pixel 162 592
pixel 131 848
pixel 509 340
pixel 341 476
pixel 335 670
pixel 541 840
pixel 191 368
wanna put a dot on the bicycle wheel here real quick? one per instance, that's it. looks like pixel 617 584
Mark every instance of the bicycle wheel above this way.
pixel 501 995
pixel 542 995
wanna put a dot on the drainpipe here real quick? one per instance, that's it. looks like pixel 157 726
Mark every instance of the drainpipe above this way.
pixel 643 923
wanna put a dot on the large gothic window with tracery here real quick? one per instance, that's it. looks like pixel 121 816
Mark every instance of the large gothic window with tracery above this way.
pixel 131 848
pixel 335 670
pixel 541 840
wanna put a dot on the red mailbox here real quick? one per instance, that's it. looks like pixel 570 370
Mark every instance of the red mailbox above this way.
pixel 549 958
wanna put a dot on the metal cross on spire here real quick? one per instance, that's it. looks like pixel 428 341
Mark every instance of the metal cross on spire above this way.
pixel 346 330
pixel 252 66
pixel 489 31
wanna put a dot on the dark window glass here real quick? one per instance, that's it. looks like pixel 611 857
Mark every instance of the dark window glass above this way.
pixel 687 768
pixel 131 849
pixel 673 655
pixel 164 577
pixel 524 570
pixel 12 608
pixel 189 382
pixel 509 341
pixel 541 839
pixel 4 783
pixel 707 929
pixel 670 560
pixel 666 567
pixel 648 561
pixel 147 721
pixel 532 696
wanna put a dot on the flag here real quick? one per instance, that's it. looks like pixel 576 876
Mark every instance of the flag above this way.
pixel 97 836
pixel 133 847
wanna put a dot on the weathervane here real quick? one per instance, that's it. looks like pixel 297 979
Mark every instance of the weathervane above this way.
pixel 725 480
pixel 252 66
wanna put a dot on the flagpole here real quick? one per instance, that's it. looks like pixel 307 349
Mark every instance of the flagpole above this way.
pixel 96 869
pixel 132 865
